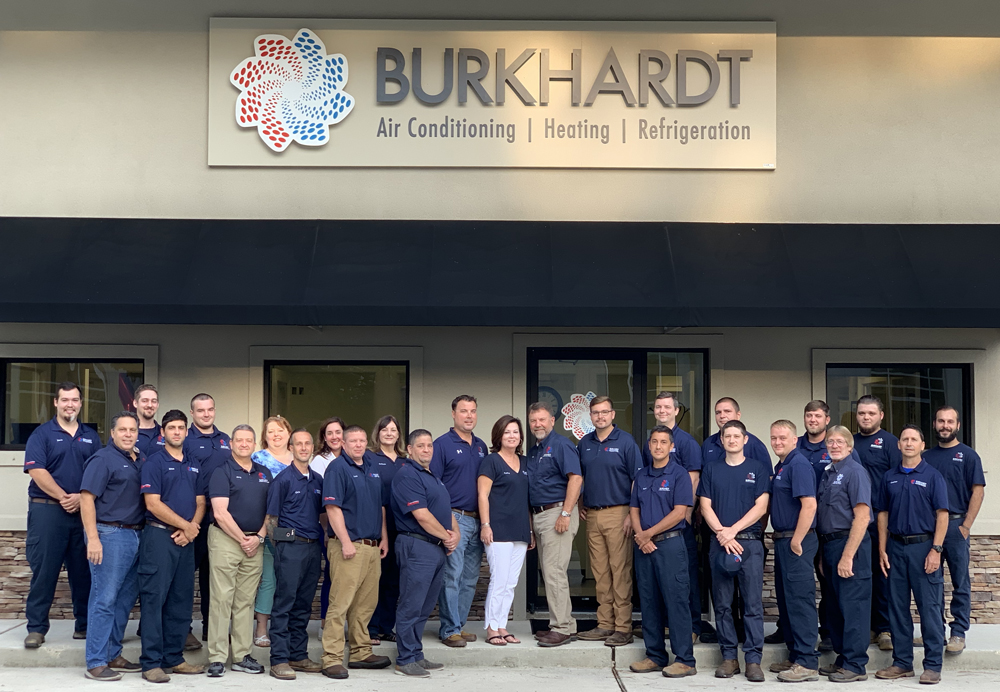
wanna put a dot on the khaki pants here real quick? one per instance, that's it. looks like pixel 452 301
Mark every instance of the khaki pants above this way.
pixel 554 553
pixel 353 597
pixel 611 563
pixel 233 586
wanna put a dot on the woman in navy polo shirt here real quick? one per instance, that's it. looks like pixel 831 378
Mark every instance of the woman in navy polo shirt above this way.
pixel 388 453
pixel 506 523
pixel 330 442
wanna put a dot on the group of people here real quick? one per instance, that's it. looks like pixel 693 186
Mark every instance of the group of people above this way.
pixel 401 528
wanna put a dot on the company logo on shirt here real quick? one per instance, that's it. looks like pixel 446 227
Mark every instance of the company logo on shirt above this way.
pixel 144 486
pixel 838 479
pixel 751 478
pixel 85 439
pixel 665 486
pixel 920 483
pixel 331 499
pixel 959 456
pixel 413 502
pixel 613 450
pixel 877 444
pixel 458 451
pixel 824 457
pixel 261 478
pixel 29 463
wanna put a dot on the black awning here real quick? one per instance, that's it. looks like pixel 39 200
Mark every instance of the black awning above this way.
pixel 168 271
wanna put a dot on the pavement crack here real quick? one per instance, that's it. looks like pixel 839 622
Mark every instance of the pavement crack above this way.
pixel 614 671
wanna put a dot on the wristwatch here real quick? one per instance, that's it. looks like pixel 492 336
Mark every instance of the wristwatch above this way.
pixel 937 548
pixel 260 538
pixel 564 513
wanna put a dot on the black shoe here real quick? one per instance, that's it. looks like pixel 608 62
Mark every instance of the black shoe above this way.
pixel 372 661
pixel 248 665
pixel 708 637
pixel 80 634
pixel 825 644
pixel 216 670
pixel 776 637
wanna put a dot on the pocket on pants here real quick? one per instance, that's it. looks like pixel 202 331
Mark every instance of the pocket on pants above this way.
pixel 937 577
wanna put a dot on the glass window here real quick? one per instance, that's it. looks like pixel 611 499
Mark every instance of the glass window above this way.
pixel 106 387
pixel 569 385
pixel 910 394
pixel 682 373
pixel 360 393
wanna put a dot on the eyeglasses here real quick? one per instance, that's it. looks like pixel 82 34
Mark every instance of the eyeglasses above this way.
pixel 601 414
pixel 836 442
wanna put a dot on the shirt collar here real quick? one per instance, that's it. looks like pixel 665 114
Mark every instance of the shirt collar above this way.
pixel 653 471
pixel 458 438
pixel 919 468
pixel 193 431
pixel 416 465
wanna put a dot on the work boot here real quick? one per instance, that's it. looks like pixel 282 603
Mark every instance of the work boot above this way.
pixel 283 671
pixel 185 668
pixel 103 674
pixel 455 641
pixel 844 675
pixel 337 672
pixel 728 668
pixel 918 642
pixel 825 644
pixel 123 665
pixel 776 637
pixel 956 645
pixel 373 662
pixel 893 673
pixel 598 634
pixel 542 633
pixel 679 670
pixel 828 669
pixel 306 666
pixel 884 641
pixel 555 639
pixel 780 667
pixel 412 670
pixel 468 636
pixel 798 673
pixel 930 677
pixel 191 643
pixel 34 640
pixel 619 639
pixel 155 675
pixel 645 666
pixel 754 673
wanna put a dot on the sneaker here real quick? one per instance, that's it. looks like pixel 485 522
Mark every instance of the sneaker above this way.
pixel 283 671
pixel 372 662
pixel 155 675
pixel 191 643
pixel 844 675
pixel 103 674
pixel 754 673
pixel 956 645
pixel 780 667
pixel 728 668
pixel 337 672
pixel 216 670
pixel 893 673
pixel 798 673
pixel 619 639
pixel 34 640
pixel 185 668
pixel 429 665
pixel 930 677
pixel 248 665
pixel 305 666
pixel 645 666
pixel 412 670
pixel 679 670
pixel 123 665
pixel 884 641
pixel 598 634
pixel 468 636
pixel 455 641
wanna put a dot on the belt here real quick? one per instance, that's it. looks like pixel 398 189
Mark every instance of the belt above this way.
pixel 300 539
pixel 363 541
pixel 915 538
pixel 465 513
pixel 538 509
pixel 748 536
pixel 245 533
pixel 665 535
pixel 778 535
pixel 604 507
pixel 955 516
pixel 422 537
pixel 44 501
pixel 118 524
pixel 827 537
pixel 158 525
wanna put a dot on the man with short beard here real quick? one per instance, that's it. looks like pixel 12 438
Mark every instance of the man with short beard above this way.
pixel 146 402
pixel 963 472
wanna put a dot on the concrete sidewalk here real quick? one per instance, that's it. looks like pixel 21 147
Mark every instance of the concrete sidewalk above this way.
pixel 60 650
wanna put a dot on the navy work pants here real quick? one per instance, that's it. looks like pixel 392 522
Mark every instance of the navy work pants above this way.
pixel 691 546
pixel 421 574
pixel 751 583
pixel 880 587
pixel 956 554
pixel 795 588
pixel 296 569
pixel 906 575
pixel 204 574
pixel 55 537
pixel 384 618
pixel 662 577
pixel 851 610
pixel 166 591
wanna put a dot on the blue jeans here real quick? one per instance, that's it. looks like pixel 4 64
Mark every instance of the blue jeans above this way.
pixel 461 573
pixel 265 592
pixel 956 554
pixel 114 586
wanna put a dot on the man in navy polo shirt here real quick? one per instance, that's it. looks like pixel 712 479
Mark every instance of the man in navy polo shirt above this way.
pixel 963 472
pixel 554 482
pixel 112 511
pixel 793 516
pixel 210 448
pixel 427 532
pixel 54 458
pixel 734 496
pixel 610 459
pixel 727 409
pixel 686 452
pixel 842 517
pixel 294 505
pixel 912 505
pixel 353 498
pixel 661 498
pixel 174 508
pixel 878 451
pixel 146 401
pixel 457 455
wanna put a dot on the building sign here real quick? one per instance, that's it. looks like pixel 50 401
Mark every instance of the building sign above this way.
pixel 373 93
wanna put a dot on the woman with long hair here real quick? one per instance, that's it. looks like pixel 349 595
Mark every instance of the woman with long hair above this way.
pixel 388 452
pixel 330 443
pixel 505 518
pixel 275 455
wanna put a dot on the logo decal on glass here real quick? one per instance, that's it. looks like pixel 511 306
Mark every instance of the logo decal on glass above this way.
pixel 577 415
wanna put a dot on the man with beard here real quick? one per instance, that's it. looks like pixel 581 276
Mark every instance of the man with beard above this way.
pixel 878 451
pixel 963 472
pixel 146 402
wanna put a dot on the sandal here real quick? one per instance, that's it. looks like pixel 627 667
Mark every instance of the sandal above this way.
pixel 496 640
pixel 375 641
pixel 263 641
pixel 510 638
pixel 390 637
